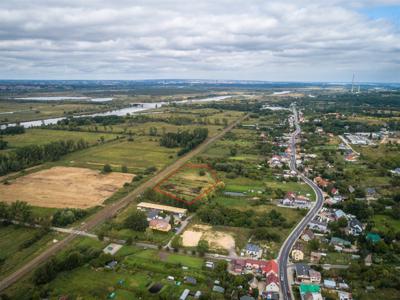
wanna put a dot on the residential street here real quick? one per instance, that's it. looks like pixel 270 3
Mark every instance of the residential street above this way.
pixel 283 257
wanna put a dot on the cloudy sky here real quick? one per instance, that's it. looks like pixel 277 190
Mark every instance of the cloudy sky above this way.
pixel 277 40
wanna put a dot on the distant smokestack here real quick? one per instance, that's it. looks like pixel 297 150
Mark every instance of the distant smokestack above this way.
pixel 352 85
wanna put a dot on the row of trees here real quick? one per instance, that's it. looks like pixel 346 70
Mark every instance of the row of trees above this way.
pixel 221 215
pixel 184 139
pixel 66 216
pixel 31 155
pixel 16 211
pixel 11 130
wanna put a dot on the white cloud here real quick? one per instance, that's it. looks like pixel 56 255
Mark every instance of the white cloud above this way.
pixel 253 39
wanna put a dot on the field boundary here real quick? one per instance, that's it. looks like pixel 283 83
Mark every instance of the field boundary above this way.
pixel 213 173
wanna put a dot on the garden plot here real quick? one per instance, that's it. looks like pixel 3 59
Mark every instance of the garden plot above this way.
pixel 189 183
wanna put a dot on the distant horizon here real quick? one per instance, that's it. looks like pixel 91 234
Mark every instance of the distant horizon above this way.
pixel 202 80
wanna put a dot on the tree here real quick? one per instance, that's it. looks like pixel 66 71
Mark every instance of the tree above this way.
pixel 137 221
pixel 202 247
pixel 314 245
pixel 176 242
pixel 233 151
pixel 107 168
pixel 124 169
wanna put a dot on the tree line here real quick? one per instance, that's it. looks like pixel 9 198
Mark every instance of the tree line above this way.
pixel 11 130
pixel 185 139
pixel 31 155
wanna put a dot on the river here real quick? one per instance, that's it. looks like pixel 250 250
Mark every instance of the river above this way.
pixel 118 112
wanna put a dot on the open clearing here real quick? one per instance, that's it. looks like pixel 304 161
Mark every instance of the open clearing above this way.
pixel 216 239
pixel 64 187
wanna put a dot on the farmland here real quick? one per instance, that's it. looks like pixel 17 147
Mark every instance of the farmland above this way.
pixel 46 188
pixel 13 253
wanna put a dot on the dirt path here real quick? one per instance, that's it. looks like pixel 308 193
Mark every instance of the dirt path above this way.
pixel 111 210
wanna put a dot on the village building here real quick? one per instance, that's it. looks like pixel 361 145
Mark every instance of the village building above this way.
pixel 310 292
pixel 253 250
pixel 354 227
pixel 345 295
pixel 160 225
pixel 317 225
pixel 305 274
pixel 146 206
pixel 329 283
pixel 272 281
pixel 298 251
pixel 321 182
pixel 307 235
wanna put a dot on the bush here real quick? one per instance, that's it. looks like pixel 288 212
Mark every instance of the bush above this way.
pixel 136 221
pixel 107 168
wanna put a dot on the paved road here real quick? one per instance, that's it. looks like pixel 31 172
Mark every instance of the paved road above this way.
pixel 295 234
pixel 111 210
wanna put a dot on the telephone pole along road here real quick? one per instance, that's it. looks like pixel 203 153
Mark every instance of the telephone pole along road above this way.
pixel 295 234
pixel 112 209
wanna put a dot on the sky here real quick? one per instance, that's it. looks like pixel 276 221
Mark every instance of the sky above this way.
pixel 272 40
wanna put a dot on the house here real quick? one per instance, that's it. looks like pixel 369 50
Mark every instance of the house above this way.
pixel 344 295
pixel 210 264
pixel 111 265
pixel 112 248
pixel 317 225
pixel 315 257
pixel 310 292
pixel 160 225
pixel 272 281
pixel 307 235
pixel 351 189
pixel 351 157
pixel 315 276
pixel 373 237
pixel 334 191
pixel 370 194
pixel 354 227
pixel 197 295
pixel 218 289
pixel 329 283
pixel 152 214
pixel 253 250
pixel 239 265
pixel 339 214
pixel 184 294
pixel 271 267
pixel 305 274
pixel 298 251
pixel 190 280
pixel 321 182
pixel 395 172
pixel 339 243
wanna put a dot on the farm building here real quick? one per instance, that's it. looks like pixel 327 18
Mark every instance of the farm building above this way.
pixel 180 212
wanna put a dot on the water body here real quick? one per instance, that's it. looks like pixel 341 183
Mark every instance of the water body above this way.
pixel 60 98
pixel 140 107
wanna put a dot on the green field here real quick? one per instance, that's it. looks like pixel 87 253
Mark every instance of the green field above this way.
pixel 44 136
pixel 11 239
pixel 384 223
pixel 138 155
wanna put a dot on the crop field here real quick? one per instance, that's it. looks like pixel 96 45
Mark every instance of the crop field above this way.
pixel 190 183
pixel 43 136
pixel 64 187
pixel 138 155
pixel 12 253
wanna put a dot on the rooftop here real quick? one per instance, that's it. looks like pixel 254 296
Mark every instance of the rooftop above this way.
pixel 172 209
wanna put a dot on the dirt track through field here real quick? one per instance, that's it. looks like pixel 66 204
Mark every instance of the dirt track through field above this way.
pixel 62 187
pixel 111 210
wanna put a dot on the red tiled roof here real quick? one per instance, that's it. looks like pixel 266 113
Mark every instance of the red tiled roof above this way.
pixel 270 266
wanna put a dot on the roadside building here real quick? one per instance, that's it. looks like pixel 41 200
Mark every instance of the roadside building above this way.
pixel 310 292
pixel 345 295
pixel 307 235
pixel 272 281
pixel 160 225
pixel 298 251
pixel 304 274
pixel 146 206
pixel 329 283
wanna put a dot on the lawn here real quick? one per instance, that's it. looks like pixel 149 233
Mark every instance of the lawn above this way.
pixel 137 155
pixel 11 239
pixel 44 136
pixel 384 223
